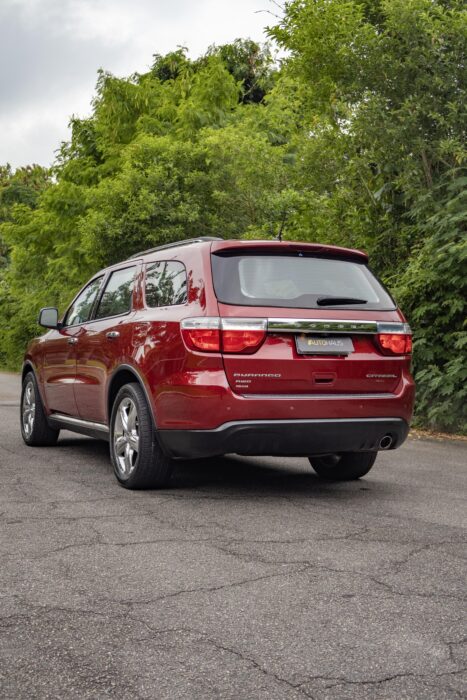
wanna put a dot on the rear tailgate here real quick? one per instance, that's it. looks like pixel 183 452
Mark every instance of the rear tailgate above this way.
pixel 307 349
pixel 278 367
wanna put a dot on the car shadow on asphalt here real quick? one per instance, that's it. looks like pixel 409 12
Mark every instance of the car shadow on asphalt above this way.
pixel 259 476
pixel 235 474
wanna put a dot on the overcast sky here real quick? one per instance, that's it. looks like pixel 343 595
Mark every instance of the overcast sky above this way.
pixel 50 51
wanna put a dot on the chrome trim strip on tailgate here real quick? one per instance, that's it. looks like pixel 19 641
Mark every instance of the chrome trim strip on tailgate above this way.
pixel 320 325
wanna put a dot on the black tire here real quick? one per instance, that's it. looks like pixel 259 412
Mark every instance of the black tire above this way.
pixel 344 467
pixel 136 456
pixel 35 429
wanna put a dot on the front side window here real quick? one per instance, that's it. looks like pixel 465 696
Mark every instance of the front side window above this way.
pixel 80 310
pixel 165 284
pixel 117 295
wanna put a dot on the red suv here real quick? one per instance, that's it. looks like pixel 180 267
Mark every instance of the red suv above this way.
pixel 207 347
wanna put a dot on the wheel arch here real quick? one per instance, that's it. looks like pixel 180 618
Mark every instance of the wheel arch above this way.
pixel 125 374
pixel 28 367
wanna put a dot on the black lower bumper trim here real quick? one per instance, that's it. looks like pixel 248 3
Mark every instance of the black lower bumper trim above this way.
pixel 286 438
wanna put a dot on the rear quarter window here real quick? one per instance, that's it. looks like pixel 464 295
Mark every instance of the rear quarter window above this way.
pixel 296 280
pixel 166 284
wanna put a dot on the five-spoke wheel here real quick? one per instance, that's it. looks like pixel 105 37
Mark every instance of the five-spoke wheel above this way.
pixel 137 458
pixel 126 436
pixel 35 428
pixel 28 408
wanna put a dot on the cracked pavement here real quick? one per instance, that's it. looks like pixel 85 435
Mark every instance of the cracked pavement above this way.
pixel 247 578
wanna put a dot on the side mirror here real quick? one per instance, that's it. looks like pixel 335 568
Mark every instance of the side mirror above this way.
pixel 48 317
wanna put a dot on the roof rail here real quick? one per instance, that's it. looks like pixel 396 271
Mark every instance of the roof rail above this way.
pixel 187 241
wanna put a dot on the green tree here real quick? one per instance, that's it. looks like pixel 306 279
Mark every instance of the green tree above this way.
pixel 177 152
pixel 251 65
pixel 385 89
pixel 22 186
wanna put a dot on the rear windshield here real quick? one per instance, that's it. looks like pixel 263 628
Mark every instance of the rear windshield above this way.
pixel 296 281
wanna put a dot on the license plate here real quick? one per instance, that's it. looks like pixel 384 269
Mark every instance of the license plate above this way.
pixel 317 345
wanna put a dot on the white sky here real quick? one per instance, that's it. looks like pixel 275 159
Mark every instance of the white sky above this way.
pixel 50 51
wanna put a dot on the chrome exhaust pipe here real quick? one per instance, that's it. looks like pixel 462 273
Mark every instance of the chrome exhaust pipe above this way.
pixel 385 442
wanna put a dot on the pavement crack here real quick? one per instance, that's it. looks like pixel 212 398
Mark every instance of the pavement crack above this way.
pixel 202 636
pixel 340 681
pixel 211 589
pixel 451 646
pixel 270 674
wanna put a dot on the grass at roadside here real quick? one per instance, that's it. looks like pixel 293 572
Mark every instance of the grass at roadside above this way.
pixel 423 434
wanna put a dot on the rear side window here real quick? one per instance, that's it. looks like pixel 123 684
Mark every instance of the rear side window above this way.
pixel 166 284
pixel 296 281
pixel 117 295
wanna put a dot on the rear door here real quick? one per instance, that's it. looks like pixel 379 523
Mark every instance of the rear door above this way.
pixel 59 370
pixel 322 316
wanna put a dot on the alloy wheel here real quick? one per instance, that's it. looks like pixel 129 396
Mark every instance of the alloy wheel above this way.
pixel 28 409
pixel 126 437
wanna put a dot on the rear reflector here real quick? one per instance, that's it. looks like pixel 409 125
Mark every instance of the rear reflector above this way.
pixel 229 335
pixel 395 343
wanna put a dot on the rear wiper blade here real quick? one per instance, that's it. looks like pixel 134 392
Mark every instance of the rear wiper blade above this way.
pixel 338 301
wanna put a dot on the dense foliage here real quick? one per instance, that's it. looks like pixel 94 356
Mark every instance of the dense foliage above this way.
pixel 390 75
pixel 358 139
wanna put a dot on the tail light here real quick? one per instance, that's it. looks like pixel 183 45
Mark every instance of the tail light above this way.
pixel 243 335
pixel 202 333
pixel 395 343
pixel 230 335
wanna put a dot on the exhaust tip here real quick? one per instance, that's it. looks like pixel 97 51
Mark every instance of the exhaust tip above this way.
pixel 385 442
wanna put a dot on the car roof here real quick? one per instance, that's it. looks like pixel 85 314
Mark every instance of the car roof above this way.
pixel 218 245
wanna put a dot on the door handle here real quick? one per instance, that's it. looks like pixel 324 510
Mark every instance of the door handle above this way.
pixel 72 341
pixel 112 334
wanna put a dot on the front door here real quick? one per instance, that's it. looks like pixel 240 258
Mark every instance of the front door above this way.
pixel 104 343
pixel 60 352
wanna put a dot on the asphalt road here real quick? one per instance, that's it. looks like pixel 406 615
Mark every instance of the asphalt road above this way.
pixel 247 579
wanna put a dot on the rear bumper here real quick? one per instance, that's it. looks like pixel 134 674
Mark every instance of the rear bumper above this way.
pixel 204 401
pixel 285 437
